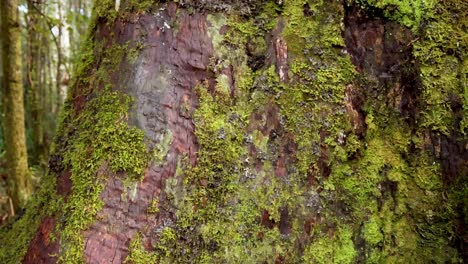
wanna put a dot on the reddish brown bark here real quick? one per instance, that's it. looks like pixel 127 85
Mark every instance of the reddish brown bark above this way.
pixel 163 80
pixel 42 248
pixel 184 57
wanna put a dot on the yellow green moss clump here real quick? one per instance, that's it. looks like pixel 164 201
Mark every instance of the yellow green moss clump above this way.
pixel 441 50
pixel 338 249
pixel 99 144
pixel 137 253
pixel 377 203
pixel 281 174
pixel 15 237
pixel 409 13
pixel 102 145
pixel 224 195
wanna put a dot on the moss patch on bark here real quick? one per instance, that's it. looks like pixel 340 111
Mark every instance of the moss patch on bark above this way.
pixel 371 197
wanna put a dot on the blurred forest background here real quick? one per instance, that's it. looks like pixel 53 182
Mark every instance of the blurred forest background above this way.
pixel 50 33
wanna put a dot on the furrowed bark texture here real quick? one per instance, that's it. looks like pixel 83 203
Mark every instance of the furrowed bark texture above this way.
pixel 259 132
pixel 19 185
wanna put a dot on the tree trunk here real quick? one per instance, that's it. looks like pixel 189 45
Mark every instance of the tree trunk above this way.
pixel 19 185
pixel 58 75
pixel 258 132
pixel 34 76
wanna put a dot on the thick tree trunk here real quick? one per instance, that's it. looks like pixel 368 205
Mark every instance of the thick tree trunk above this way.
pixel 258 132
pixel 19 185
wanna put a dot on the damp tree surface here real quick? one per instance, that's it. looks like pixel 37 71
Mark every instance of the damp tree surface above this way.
pixel 259 132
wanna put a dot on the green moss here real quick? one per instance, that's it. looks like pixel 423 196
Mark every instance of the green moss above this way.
pixel 85 61
pixel 217 21
pixel 211 185
pixel 15 237
pixel 225 194
pixel 339 249
pixel 260 141
pixel 313 103
pixel 167 237
pixel 464 82
pixel 138 5
pixel 321 32
pixel 107 9
pixel 383 190
pixel 102 145
pixel 137 253
pixel 385 171
pixel 267 19
pixel 441 50
pixel 408 13
pixel 222 85
pixel 134 52
pixel 372 233
pixel 153 208
pixel 99 144
pixel 400 228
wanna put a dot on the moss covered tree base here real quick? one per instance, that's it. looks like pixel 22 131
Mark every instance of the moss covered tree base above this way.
pixel 312 132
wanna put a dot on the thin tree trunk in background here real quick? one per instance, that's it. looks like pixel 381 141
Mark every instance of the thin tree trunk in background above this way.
pixel 48 93
pixel 19 185
pixel 34 79
pixel 70 21
pixel 43 107
pixel 77 15
pixel 74 36
pixel 58 75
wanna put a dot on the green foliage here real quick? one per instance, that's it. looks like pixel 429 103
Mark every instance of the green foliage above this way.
pixel 410 189
pixel 383 189
pixel 213 184
pixel 312 102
